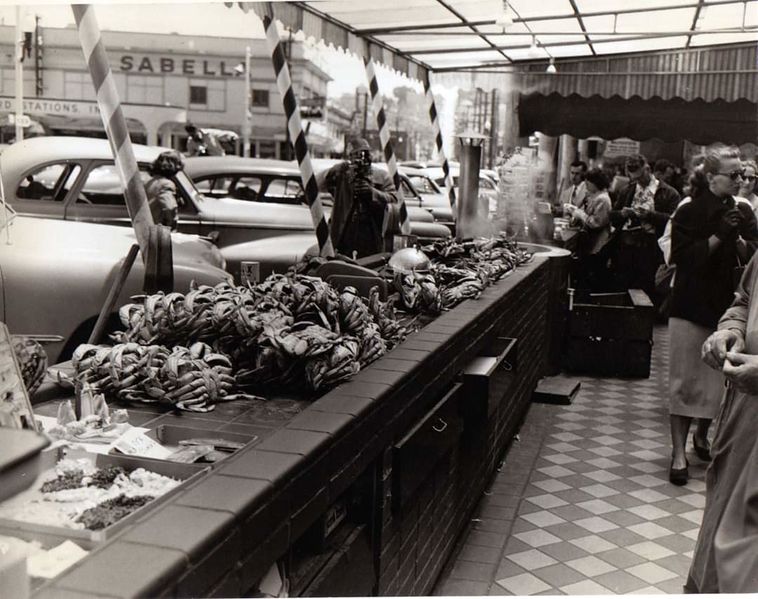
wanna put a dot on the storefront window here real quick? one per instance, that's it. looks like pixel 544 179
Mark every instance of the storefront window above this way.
pixel 144 90
pixel 198 94
pixel 207 95
pixel 260 98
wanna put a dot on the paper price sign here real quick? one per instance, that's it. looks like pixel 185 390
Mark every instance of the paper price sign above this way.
pixel 135 442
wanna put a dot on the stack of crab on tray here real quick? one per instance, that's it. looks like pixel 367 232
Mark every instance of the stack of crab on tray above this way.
pixel 290 333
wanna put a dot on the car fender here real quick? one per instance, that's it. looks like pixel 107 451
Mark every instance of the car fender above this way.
pixel 275 254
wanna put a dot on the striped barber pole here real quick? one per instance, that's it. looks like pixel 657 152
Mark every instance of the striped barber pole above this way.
pixel 438 140
pixel 295 126
pixel 114 122
pixel 384 136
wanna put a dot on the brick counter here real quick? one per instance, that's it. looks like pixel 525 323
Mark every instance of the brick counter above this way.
pixel 219 536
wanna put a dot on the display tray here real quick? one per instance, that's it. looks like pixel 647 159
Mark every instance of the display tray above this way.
pixel 171 437
pixel 50 535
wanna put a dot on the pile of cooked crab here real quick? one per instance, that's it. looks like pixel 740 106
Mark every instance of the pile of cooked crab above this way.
pixel 458 271
pixel 289 332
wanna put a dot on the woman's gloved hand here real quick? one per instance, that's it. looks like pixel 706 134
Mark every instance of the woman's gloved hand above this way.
pixel 729 224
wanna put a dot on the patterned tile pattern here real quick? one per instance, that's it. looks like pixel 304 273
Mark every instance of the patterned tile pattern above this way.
pixel 596 513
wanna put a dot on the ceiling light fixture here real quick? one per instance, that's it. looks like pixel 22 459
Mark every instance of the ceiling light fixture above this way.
pixel 551 67
pixel 504 20
pixel 533 51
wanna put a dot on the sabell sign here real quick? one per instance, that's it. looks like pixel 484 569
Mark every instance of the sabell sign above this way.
pixel 171 65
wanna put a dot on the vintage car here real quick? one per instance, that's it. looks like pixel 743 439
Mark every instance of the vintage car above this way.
pixel 278 181
pixel 433 197
pixel 56 274
pixel 487 186
pixel 75 179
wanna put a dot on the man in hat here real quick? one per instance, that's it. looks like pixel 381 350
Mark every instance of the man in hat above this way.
pixel 639 217
pixel 361 194
pixel 202 143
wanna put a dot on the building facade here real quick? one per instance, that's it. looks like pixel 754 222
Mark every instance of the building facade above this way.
pixel 164 81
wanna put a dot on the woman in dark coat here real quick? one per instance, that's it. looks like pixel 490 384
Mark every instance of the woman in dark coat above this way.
pixel 711 235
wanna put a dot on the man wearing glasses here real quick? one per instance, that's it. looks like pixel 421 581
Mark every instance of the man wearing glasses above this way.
pixel 639 217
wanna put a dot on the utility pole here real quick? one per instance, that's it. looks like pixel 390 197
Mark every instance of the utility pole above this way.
pixel 39 86
pixel 19 74
pixel 247 124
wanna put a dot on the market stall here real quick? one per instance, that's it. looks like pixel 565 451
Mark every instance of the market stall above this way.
pixel 383 470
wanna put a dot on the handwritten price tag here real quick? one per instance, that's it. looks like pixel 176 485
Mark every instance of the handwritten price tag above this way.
pixel 135 442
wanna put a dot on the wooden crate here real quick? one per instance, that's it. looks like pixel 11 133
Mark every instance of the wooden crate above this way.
pixel 611 334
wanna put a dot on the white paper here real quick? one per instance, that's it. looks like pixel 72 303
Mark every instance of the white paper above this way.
pixel 136 442
pixel 48 564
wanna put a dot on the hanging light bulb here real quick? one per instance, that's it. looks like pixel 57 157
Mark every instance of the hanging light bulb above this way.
pixel 533 51
pixel 504 19
pixel 551 67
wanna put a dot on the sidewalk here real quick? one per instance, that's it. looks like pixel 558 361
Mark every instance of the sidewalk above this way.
pixel 582 504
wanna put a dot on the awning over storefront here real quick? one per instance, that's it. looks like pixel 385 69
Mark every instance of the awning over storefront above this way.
pixel 640 119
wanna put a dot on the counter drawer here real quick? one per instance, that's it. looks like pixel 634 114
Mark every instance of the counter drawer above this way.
pixel 486 380
pixel 416 454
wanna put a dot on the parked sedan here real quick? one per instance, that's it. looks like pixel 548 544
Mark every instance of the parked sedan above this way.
pixel 487 186
pixel 278 182
pixel 56 274
pixel 433 197
pixel 74 178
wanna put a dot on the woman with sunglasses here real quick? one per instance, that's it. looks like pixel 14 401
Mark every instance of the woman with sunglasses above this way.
pixel 748 187
pixel 725 558
pixel 712 235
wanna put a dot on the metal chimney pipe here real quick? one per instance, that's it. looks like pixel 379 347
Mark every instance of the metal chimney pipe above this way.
pixel 468 184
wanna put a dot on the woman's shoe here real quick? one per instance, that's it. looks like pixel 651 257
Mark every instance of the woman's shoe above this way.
pixel 679 476
pixel 702 451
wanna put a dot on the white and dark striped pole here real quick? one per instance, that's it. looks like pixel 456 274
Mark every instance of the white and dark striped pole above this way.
pixel 114 122
pixel 387 149
pixel 434 116
pixel 297 134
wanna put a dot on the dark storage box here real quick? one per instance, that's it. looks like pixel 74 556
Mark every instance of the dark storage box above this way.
pixel 611 334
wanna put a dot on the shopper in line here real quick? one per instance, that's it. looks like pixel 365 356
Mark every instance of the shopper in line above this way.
pixel 161 189
pixel 726 554
pixel 639 217
pixel 593 216
pixel 711 236
pixel 575 193
pixel 361 195
pixel 749 185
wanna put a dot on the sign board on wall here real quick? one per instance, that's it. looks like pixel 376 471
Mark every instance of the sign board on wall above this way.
pixel 621 147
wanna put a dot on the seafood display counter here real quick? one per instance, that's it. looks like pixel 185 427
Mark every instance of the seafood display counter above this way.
pixel 381 473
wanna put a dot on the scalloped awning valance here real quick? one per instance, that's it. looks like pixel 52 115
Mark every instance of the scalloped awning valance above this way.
pixel 640 119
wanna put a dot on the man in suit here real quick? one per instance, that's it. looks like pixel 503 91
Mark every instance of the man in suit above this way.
pixel 575 193
pixel 639 216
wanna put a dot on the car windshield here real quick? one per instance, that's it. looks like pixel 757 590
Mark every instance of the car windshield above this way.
pixel 424 184
pixel 190 187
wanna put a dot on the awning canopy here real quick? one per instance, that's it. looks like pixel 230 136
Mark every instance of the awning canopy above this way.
pixel 640 119
pixel 413 36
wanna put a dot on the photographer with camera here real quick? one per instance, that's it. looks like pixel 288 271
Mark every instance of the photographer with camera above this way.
pixel 361 195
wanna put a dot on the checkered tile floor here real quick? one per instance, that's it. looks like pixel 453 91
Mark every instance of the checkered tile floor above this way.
pixel 582 504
